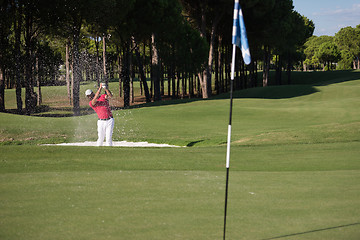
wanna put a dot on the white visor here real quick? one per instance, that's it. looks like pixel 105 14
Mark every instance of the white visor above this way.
pixel 88 92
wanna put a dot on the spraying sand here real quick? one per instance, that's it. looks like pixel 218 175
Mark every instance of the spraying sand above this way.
pixel 115 144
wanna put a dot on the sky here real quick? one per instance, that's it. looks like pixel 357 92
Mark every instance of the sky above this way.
pixel 329 16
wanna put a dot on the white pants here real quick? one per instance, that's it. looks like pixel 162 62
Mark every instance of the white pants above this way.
pixel 105 128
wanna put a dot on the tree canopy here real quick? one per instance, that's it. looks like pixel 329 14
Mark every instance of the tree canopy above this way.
pixel 185 42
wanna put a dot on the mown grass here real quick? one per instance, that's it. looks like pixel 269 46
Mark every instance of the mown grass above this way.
pixel 294 170
pixel 179 204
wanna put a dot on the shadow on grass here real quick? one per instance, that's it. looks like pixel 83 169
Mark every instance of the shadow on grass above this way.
pixel 271 92
pixel 303 83
pixel 320 78
pixel 191 144
pixel 47 111
pixel 312 231
pixel 276 92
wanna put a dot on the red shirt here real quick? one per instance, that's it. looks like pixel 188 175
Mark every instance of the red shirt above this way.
pixel 102 107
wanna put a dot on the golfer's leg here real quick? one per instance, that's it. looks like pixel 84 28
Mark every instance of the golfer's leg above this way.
pixel 101 133
pixel 109 132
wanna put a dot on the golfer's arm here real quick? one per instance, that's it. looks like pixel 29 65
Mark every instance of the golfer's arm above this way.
pixel 93 101
pixel 108 93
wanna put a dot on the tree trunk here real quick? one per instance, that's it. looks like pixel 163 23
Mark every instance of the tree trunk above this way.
pixel 203 75
pixel 97 64
pixel 119 71
pixel 289 65
pixel 30 95
pixel 198 87
pixel 38 78
pixel 142 74
pixel 178 83
pixel 266 66
pixel 191 85
pixel 67 76
pixel 240 80
pixel 216 67
pixel 17 27
pixel 87 67
pixel 208 71
pixel 126 75
pixel 168 69
pixel 104 60
pixel 155 69
pixel 255 73
pixel 162 92
pixel 219 66
pixel 183 87
pixel 76 68
pixel 173 75
pixel 253 79
pixel 227 68
pixel 2 89
pixel 131 75
pixel 278 70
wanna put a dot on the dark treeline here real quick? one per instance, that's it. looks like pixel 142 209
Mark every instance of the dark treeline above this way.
pixel 184 42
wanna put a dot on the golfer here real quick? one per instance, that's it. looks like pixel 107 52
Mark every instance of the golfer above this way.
pixel 100 104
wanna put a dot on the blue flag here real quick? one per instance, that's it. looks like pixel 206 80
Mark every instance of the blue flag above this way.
pixel 239 36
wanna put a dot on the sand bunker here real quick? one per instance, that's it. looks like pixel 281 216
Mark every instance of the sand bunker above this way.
pixel 115 144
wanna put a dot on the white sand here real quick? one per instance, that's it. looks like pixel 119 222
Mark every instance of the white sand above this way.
pixel 115 144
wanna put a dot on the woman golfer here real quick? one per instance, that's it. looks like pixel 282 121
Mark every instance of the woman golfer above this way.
pixel 100 104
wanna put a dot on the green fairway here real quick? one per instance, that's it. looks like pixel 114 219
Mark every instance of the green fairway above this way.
pixel 181 204
pixel 294 170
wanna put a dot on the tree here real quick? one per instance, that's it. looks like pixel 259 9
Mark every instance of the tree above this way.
pixel 17 53
pixel 46 65
pixel 347 61
pixel 65 18
pixel 301 29
pixel 328 53
pixel 187 40
pixel 348 41
pixel 267 19
pixel 206 15
pixel 312 47
pixel 6 13
pixel 33 27
pixel 159 21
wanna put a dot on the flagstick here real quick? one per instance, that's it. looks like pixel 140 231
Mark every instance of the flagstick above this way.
pixel 229 135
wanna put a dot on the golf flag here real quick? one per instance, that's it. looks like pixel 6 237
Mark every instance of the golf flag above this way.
pixel 239 36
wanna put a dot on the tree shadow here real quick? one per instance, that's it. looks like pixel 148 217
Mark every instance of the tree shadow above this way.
pixel 313 231
pixel 191 144
pixel 277 92
pixel 320 78
pixel 304 83
pixel 47 111
pixel 270 92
